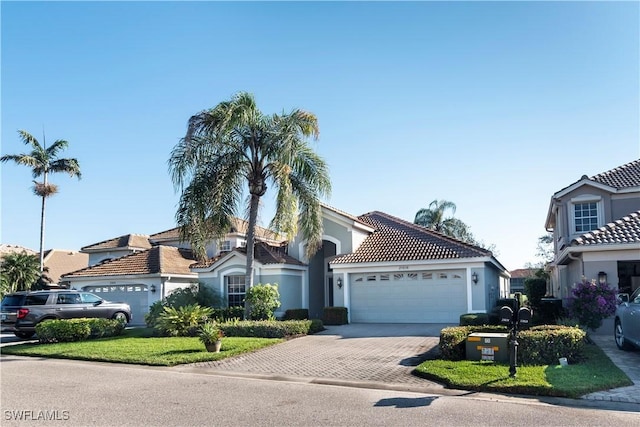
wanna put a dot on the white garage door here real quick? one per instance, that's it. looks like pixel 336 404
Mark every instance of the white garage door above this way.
pixel 410 297
pixel 134 295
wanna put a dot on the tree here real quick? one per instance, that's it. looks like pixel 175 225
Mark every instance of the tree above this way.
pixel 234 144
pixel 19 271
pixel 43 160
pixel 434 218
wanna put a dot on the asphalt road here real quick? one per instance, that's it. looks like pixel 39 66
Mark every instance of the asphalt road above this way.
pixel 75 393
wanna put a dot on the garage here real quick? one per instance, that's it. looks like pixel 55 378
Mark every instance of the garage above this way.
pixel 136 295
pixel 408 297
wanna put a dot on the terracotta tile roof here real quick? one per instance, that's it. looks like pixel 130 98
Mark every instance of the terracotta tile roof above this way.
pixel 10 249
pixel 264 254
pixel 523 273
pixel 158 259
pixel 399 240
pixel 127 241
pixel 61 262
pixel 624 176
pixel 237 226
pixel 624 230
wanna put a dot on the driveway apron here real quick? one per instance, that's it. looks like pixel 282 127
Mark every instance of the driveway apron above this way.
pixel 380 353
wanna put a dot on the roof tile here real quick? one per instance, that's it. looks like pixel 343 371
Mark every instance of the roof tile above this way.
pixel 624 230
pixel 625 176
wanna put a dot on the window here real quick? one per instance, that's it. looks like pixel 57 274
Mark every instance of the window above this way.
pixel 585 217
pixel 37 299
pixel 236 290
pixel 225 246
pixel 398 276
pixel 68 299
pixel 384 277
pixel 90 298
pixel 371 278
pixel 443 275
pixel 427 276
pixel 412 276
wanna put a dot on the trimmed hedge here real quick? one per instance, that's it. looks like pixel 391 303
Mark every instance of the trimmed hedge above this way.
pixel 69 330
pixel 296 314
pixel 335 316
pixel 540 345
pixel 271 328
pixel 474 319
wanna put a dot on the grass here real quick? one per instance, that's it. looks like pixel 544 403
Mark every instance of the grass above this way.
pixel 137 347
pixel 596 373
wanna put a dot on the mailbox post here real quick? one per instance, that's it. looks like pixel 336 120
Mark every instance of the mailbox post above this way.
pixel 514 319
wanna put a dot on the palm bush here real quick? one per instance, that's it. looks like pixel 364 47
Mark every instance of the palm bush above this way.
pixel 183 321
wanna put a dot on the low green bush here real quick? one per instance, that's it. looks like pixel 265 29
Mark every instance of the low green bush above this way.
pixel 269 328
pixel 335 316
pixel 182 321
pixel 67 330
pixel 296 314
pixel 474 319
pixel 540 345
pixel 102 328
pixel 544 345
pixel 228 313
pixel 316 326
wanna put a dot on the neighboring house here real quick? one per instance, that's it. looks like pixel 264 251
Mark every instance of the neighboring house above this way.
pixel 518 277
pixel 596 230
pixel 382 268
pixel 59 262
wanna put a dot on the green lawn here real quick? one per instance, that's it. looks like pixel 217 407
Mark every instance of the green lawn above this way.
pixel 596 373
pixel 138 348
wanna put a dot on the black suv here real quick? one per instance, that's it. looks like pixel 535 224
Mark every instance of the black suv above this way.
pixel 20 312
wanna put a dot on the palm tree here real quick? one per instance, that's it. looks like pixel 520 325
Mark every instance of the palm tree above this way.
pixel 234 145
pixel 434 218
pixel 19 271
pixel 43 160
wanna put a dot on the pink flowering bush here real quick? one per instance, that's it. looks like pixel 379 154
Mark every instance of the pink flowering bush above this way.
pixel 591 302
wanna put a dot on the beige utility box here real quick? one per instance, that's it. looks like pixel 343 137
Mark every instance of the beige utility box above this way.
pixel 488 346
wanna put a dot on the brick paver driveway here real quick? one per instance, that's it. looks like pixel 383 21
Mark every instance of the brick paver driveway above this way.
pixel 380 353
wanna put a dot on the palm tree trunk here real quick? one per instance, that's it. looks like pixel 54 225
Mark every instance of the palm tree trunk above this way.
pixel 44 198
pixel 251 227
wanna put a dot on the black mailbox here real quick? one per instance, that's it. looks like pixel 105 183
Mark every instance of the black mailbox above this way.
pixel 524 317
pixel 506 315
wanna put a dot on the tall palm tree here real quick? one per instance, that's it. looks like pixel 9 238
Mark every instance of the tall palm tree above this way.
pixel 43 160
pixel 234 145
pixel 19 271
pixel 434 218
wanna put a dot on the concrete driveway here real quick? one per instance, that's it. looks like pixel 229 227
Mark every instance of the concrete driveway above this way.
pixel 372 353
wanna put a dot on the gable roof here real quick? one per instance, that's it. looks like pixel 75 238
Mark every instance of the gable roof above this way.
pixel 264 254
pixel 397 240
pixel 138 241
pixel 60 262
pixel 624 230
pixel 624 176
pixel 521 273
pixel 157 260
pixel 237 226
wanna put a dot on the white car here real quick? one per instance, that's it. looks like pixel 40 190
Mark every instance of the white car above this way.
pixel 627 321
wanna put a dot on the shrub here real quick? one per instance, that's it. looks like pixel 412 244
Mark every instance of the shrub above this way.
pixel 183 321
pixel 195 294
pixel 66 330
pixel 296 314
pixel 474 319
pixel 269 328
pixel 544 345
pixel 228 313
pixel 535 288
pixel 335 316
pixel 102 328
pixel 590 303
pixel 263 301
pixel 540 345
pixel 316 326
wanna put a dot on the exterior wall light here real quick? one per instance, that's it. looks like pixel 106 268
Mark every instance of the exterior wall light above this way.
pixel 474 278
pixel 152 288
pixel 340 282
pixel 602 277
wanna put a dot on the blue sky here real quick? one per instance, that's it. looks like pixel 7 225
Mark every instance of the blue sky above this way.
pixel 494 106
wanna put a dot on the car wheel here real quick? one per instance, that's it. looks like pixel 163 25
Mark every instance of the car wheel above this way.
pixel 24 335
pixel 619 335
pixel 122 317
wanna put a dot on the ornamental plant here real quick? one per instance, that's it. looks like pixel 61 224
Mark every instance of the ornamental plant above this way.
pixel 591 302
pixel 263 300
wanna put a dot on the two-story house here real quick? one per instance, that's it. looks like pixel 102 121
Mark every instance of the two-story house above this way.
pixel 596 230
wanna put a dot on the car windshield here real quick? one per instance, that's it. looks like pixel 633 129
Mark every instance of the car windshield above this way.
pixel 635 296
pixel 12 300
